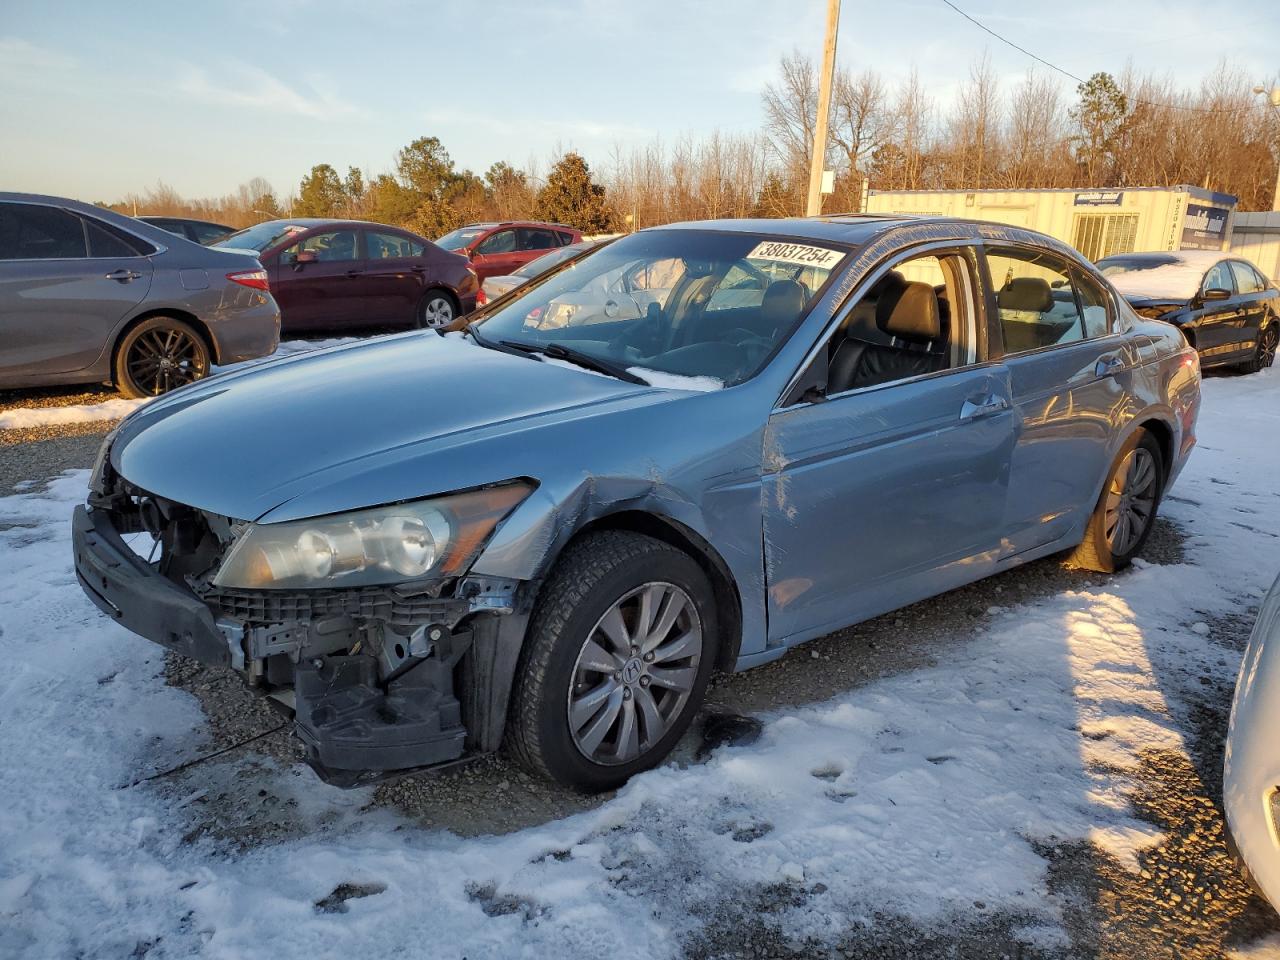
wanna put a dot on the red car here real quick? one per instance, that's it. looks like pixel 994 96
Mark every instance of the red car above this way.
pixel 340 274
pixel 497 249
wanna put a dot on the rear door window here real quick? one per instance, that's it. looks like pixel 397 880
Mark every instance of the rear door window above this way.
pixel 107 244
pixel 564 238
pixel 532 238
pixel 386 246
pixel 1043 301
pixel 30 231
pixel 1246 277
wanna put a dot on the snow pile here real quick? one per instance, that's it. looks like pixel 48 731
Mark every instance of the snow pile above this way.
pixel 676 381
pixel 19 418
pixel 915 795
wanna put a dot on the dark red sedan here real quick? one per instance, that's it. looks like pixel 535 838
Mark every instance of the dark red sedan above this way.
pixel 498 249
pixel 341 274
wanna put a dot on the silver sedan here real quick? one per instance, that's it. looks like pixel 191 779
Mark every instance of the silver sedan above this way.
pixel 694 448
pixel 88 295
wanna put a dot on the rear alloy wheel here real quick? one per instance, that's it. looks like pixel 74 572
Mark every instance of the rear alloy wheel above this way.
pixel 615 663
pixel 158 355
pixel 1264 355
pixel 1126 511
pixel 436 310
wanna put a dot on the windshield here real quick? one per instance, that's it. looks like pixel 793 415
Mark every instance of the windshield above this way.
pixel 261 235
pixel 545 262
pixel 1169 276
pixel 462 237
pixel 684 308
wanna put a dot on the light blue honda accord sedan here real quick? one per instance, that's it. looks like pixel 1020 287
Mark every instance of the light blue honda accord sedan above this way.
pixel 689 450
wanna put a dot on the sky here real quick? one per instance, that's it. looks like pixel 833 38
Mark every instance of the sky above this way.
pixel 101 99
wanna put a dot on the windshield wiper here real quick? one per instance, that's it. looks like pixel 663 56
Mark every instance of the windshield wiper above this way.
pixel 502 346
pixel 560 352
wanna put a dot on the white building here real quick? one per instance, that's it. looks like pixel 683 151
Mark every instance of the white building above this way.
pixel 1256 237
pixel 1098 223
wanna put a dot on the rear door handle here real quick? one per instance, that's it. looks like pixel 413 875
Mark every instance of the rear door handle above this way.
pixel 983 406
pixel 122 275
pixel 1108 364
pixel 354 273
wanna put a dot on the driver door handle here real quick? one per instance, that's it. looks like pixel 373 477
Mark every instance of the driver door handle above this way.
pixel 122 275
pixel 354 273
pixel 982 406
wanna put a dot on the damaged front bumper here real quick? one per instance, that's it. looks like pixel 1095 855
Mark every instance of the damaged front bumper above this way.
pixel 380 681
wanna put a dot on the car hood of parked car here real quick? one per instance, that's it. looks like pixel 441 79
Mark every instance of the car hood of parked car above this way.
pixel 381 421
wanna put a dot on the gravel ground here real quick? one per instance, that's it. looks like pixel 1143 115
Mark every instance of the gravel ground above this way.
pixel 1188 901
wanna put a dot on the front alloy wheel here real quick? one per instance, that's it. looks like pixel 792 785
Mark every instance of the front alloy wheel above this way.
pixel 635 673
pixel 615 662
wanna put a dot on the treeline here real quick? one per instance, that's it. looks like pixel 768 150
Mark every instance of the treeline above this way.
pixel 1130 130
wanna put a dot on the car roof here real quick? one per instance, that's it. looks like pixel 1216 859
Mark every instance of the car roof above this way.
pixel 491 225
pixel 153 217
pixel 850 228
pixel 1192 258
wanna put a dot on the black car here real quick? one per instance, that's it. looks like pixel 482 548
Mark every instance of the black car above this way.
pixel 1225 306
pixel 203 232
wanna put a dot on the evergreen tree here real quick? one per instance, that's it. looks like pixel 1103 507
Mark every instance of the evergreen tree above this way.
pixel 1100 116
pixel 571 197
pixel 320 194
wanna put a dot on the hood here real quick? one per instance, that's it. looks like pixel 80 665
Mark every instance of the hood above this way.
pixel 1155 307
pixel 357 425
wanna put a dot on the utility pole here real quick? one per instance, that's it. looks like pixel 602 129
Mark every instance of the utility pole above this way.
pixel 819 161
pixel 1273 97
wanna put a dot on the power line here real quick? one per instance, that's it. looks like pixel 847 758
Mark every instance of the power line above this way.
pixel 1067 73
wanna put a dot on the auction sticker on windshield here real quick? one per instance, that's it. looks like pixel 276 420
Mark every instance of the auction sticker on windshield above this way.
pixel 797 253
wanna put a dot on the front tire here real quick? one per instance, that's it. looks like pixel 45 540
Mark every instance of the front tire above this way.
pixel 1264 354
pixel 1126 511
pixel 616 662
pixel 158 355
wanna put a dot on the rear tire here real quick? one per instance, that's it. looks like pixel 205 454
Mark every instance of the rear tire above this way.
pixel 436 310
pixel 1264 354
pixel 158 355
pixel 590 711
pixel 1126 511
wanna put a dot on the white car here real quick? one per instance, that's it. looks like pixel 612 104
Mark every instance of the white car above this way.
pixel 1251 776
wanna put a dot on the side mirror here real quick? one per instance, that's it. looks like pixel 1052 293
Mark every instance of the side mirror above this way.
pixel 1215 293
pixel 305 256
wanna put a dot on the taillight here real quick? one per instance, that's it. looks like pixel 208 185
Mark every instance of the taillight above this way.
pixel 481 297
pixel 250 278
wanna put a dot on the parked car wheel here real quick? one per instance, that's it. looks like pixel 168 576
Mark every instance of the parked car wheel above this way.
pixel 158 355
pixel 1126 511
pixel 437 309
pixel 616 662
pixel 1264 354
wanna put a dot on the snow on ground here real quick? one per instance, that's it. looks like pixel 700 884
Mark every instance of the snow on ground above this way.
pixel 22 417
pixel 914 796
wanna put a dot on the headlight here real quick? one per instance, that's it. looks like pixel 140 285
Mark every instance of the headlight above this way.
pixel 408 541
